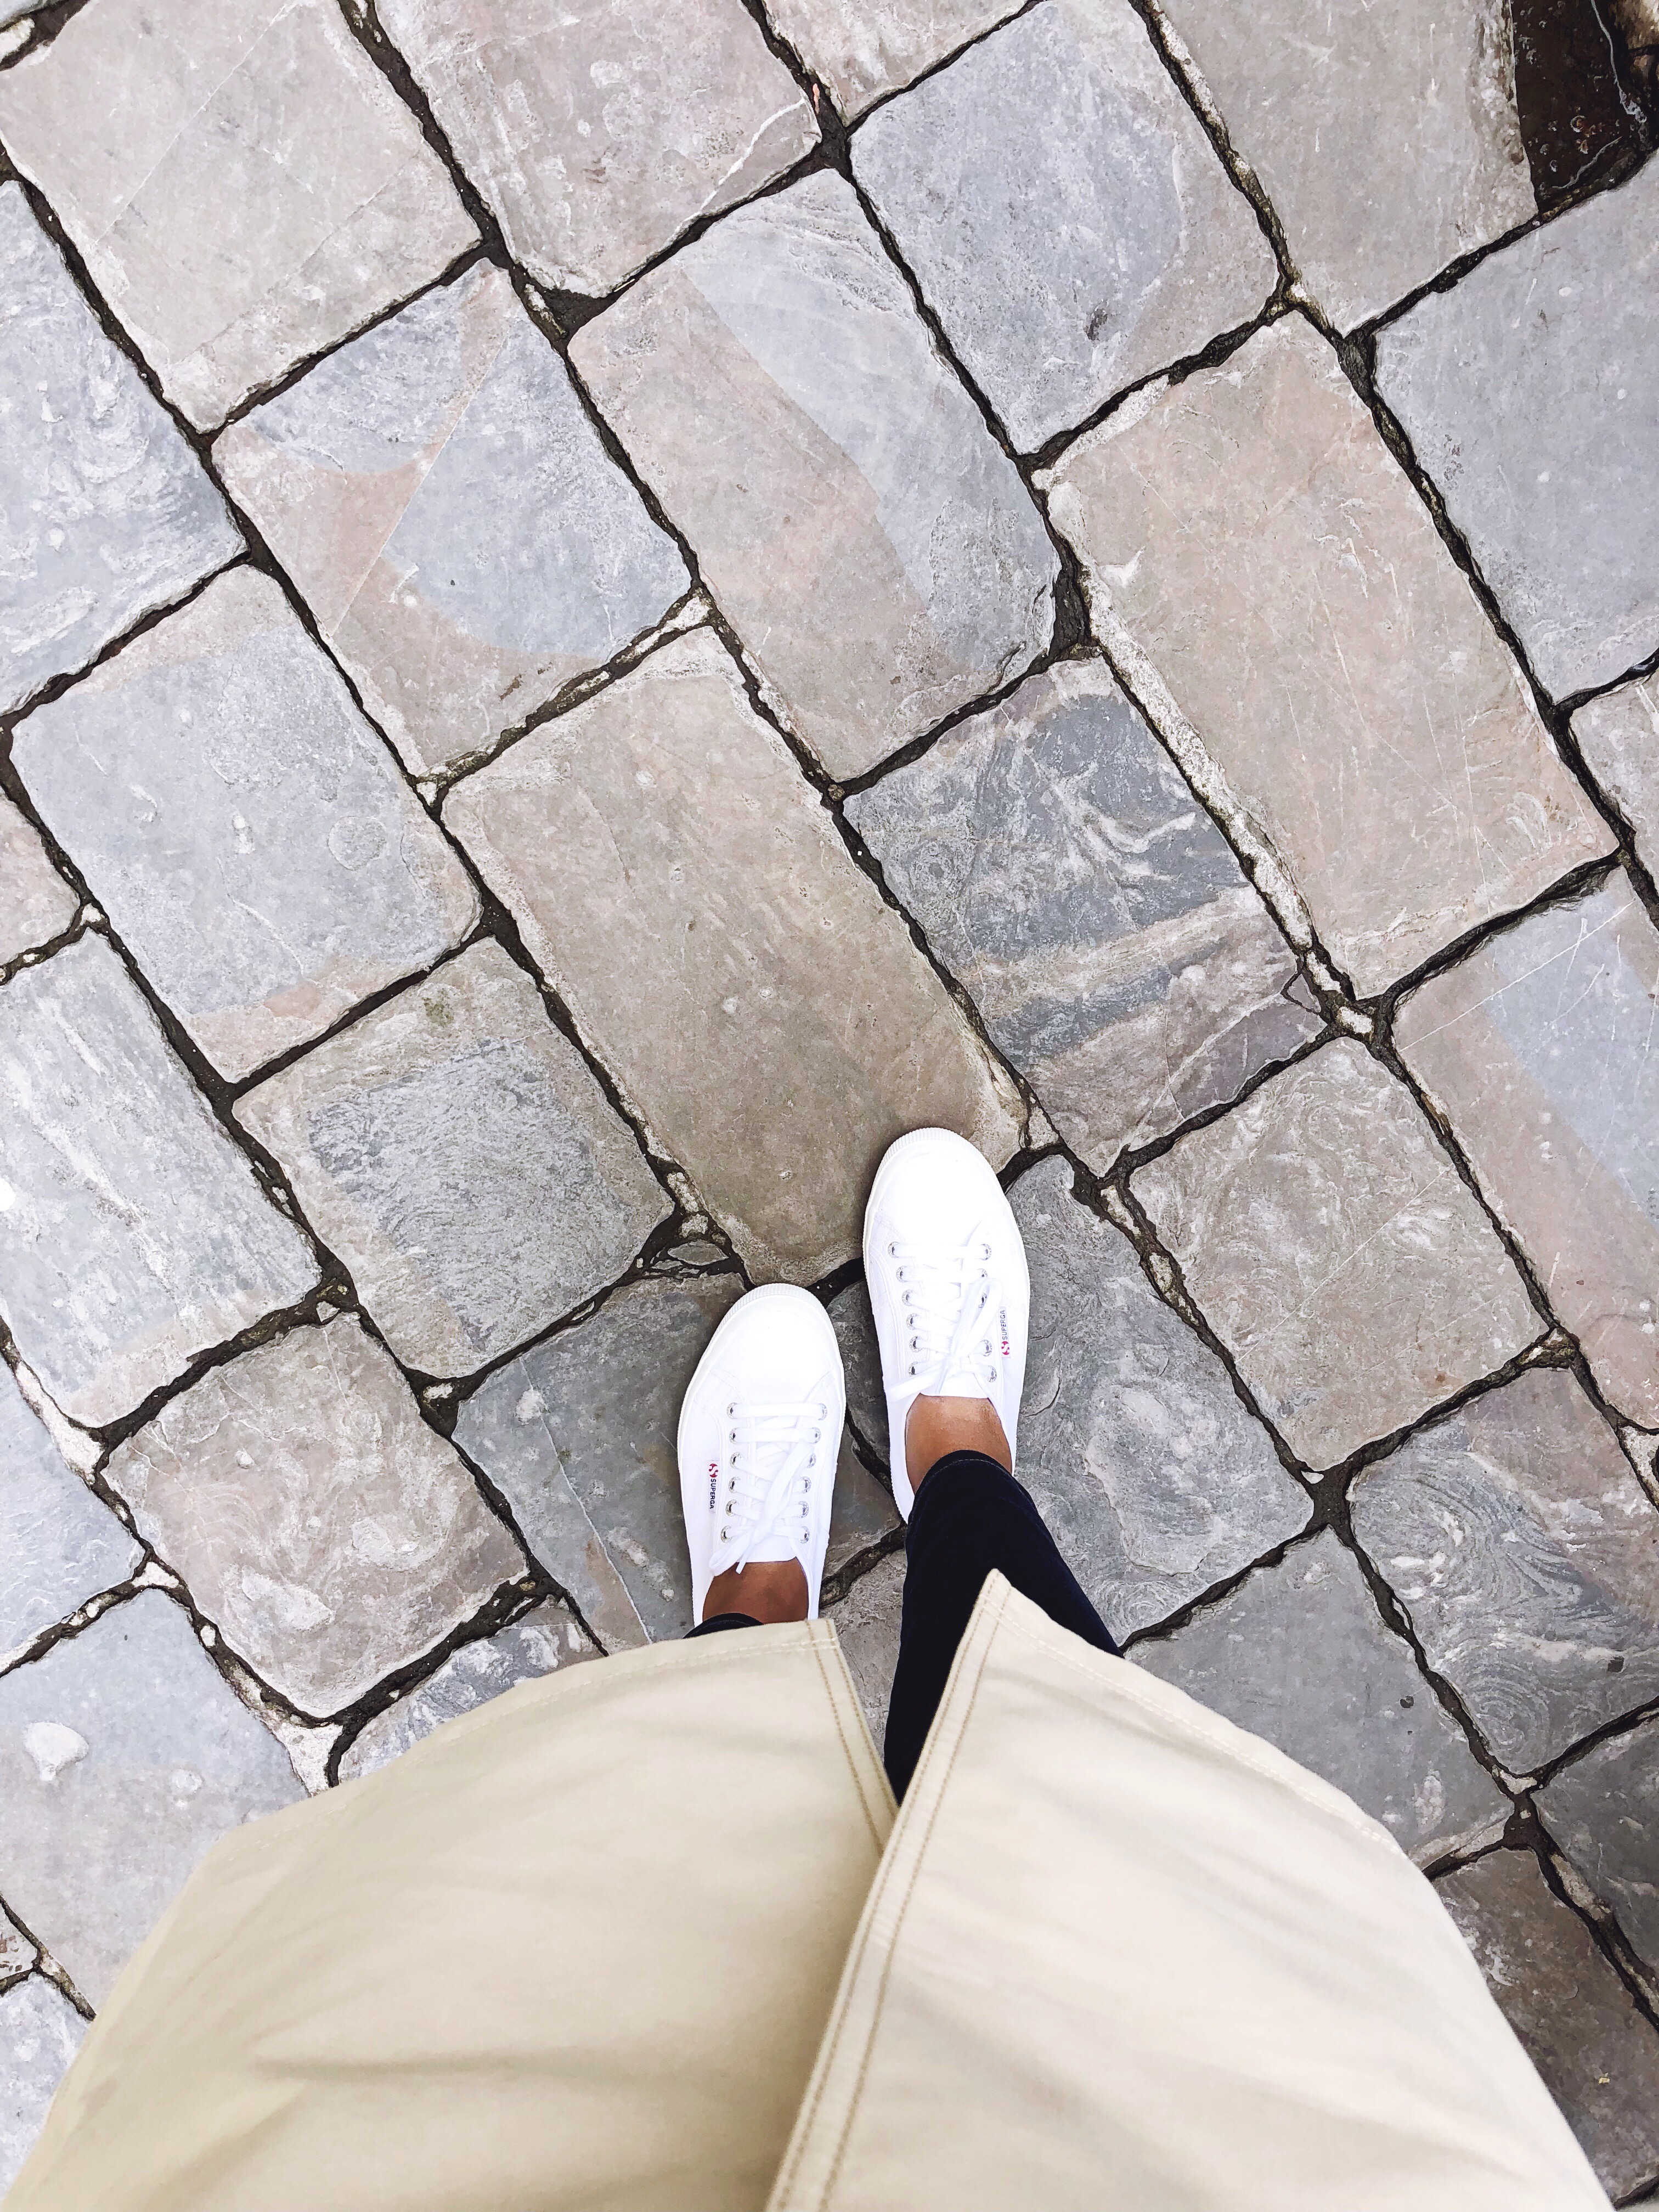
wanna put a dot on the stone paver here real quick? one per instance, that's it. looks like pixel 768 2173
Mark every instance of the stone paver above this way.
pixel 1576 2021
pixel 1520 1543
pixel 243 825
pixel 1330 1244
pixel 441 498
pixel 124 1755
pixel 1603 1813
pixel 867 1622
pixel 1252 536
pixel 861 51
pixel 17 1954
pixel 1064 873
pixel 853 517
pixel 1619 737
pixel 540 1642
pixel 578 1435
pixel 133 1235
pixel 41 2032
pixel 36 904
pixel 1561 324
pixel 330 1535
pixel 59 1544
pixel 244 185
pixel 107 513
pixel 680 887
pixel 1298 1654
pixel 1537 1050
pixel 1058 281
pixel 453 1149
pixel 598 130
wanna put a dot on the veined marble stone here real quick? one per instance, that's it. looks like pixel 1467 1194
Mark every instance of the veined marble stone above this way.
pixel 124 1755
pixel 679 885
pixel 1066 875
pixel 1603 1813
pixel 855 520
pixel 133 1233
pixel 539 1644
pixel 1619 737
pixel 240 822
pixel 1387 140
pixel 1333 1249
pixel 36 904
pixel 1540 485
pixel 590 1419
pixel 1061 280
pixel 1299 1654
pixel 1252 536
pixel 59 1544
pixel 41 2032
pixel 598 130
pixel 455 1151
pixel 328 1532
pixel 1519 1540
pixel 860 50
pixel 441 497
pixel 244 185
pixel 1596 2055
pixel 867 1622
pixel 1537 1050
pixel 108 512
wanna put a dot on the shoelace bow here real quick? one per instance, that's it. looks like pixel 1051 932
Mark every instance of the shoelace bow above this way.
pixel 755 1497
pixel 944 1297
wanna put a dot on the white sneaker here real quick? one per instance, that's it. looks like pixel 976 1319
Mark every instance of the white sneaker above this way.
pixel 760 1432
pixel 948 1286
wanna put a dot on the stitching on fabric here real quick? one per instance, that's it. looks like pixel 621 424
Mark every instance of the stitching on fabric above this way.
pixel 853 1765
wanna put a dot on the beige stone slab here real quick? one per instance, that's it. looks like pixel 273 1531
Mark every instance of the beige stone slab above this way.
pixel 682 888
pixel 861 51
pixel 1619 737
pixel 36 904
pixel 330 1535
pixel 1333 1247
pixel 245 186
pixel 869 540
pixel 597 129
pixel 1538 1050
pixel 1251 537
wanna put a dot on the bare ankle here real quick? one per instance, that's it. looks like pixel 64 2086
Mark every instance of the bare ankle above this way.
pixel 935 1426
pixel 767 1590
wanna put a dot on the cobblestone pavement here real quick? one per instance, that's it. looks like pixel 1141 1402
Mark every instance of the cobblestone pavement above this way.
pixel 602 608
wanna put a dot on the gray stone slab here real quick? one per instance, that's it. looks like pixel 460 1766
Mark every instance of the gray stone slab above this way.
pixel 133 1233
pixel 244 187
pixel 679 885
pixel 1298 1654
pixel 41 2032
pixel 1545 486
pixel 36 904
pixel 1596 2055
pixel 1067 875
pixel 124 1755
pixel 541 1641
pixel 1537 1050
pixel 442 498
pixel 243 826
pixel 855 1332
pixel 109 516
pixel 598 130
pixel 17 1954
pixel 1059 281
pixel 1526 1552
pixel 59 1544
pixel 1330 1243
pixel 1250 537
pixel 860 51
pixel 1603 1813
pixel 588 1421
pixel 854 520
pixel 330 1535
pixel 455 1151
pixel 1388 139
pixel 868 1623
pixel 1618 736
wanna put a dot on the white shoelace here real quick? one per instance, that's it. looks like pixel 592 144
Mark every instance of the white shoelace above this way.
pixel 944 1299
pixel 773 1457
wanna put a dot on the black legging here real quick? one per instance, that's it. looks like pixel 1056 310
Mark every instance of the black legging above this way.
pixel 962 1526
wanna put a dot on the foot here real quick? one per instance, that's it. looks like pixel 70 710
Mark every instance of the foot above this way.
pixel 760 1430
pixel 951 1298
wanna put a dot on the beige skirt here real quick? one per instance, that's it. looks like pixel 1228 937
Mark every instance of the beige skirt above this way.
pixel 647 1934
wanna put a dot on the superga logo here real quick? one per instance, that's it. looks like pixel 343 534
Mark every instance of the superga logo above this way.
pixel 713 1481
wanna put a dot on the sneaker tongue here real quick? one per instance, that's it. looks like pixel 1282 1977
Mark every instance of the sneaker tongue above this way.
pixel 774 1546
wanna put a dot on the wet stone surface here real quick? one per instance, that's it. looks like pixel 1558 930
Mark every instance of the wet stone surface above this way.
pixel 59 1544
pixel 1602 1813
pixel 41 2032
pixel 1299 1654
pixel 36 904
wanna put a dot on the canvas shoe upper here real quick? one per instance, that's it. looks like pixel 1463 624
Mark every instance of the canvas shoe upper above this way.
pixel 949 1288
pixel 759 1434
